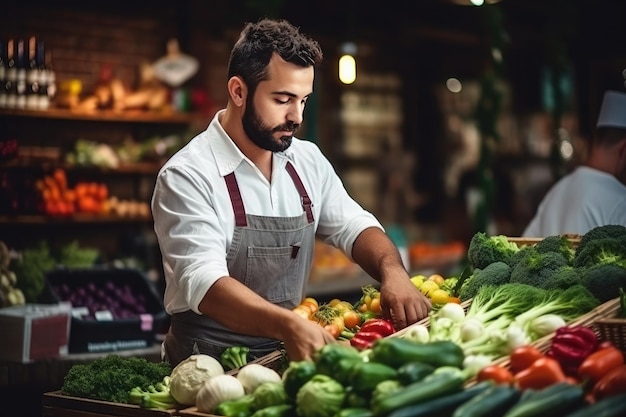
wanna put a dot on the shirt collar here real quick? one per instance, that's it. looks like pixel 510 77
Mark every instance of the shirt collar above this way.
pixel 227 155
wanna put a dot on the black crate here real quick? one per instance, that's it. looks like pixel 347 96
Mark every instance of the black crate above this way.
pixel 116 325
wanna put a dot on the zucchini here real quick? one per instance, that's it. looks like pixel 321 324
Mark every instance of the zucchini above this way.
pixel 414 371
pixel 442 406
pixel 354 412
pixel 614 406
pixel 495 401
pixel 432 386
pixel 558 402
pixel 396 351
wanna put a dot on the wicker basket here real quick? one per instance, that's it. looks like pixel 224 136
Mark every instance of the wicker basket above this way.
pixel 595 320
pixel 526 241
pixel 612 330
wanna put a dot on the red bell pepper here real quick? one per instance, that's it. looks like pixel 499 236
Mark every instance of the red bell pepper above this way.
pixel 381 326
pixel 364 340
pixel 571 345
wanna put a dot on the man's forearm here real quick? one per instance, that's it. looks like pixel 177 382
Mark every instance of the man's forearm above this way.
pixel 376 254
pixel 235 306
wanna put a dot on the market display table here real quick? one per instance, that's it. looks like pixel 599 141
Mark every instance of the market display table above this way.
pixel 22 385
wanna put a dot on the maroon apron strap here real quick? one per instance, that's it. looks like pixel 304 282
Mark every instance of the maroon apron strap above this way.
pixel 236 201
pixel 304 197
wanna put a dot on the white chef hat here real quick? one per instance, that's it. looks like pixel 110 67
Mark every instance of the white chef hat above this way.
pixel 613 110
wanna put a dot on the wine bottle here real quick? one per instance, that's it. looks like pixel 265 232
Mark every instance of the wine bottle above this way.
pixel 3 74
pixel 51 85
pixel 32 76
pixel 21 65
pixel 11 76
pixel 43 101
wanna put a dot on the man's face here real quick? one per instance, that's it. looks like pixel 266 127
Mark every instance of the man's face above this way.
pixel 274 112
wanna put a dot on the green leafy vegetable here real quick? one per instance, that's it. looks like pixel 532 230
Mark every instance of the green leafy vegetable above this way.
pixel 112 377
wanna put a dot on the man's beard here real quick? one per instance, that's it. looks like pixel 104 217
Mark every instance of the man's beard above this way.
pixel 261 135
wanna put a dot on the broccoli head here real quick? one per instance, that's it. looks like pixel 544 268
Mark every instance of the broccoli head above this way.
pixel 496 273
pixel 604 280
pixel 559 244
pixel 606 250
pixel 536 268
pixel 484 250
pixel 563 278
pixel 613 231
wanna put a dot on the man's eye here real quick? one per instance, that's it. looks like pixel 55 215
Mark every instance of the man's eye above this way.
pixel 282 101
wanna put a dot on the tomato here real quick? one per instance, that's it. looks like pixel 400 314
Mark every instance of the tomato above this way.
pixel 439 296
pixel 303 311
pixel 522 357
pixel 428 287
pixel 333 329
pixel 310 305
pixel 351 319
pixel 497 373
pixel 334 302
pixel 375 305
pixel 342 306
pixel 437 278
pixel 310 300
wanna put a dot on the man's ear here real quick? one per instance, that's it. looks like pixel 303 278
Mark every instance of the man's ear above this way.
pixel 237 91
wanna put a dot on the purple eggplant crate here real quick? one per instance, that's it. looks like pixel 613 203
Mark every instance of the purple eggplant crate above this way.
pixel 112 309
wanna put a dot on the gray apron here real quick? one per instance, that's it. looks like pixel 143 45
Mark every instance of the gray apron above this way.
pixel 270 255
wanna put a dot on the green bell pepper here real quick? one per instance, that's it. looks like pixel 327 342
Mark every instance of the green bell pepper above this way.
pixel 241 407
pixel 296 375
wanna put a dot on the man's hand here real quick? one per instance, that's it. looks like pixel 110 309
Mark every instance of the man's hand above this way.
pixel 402 302
pixel 304 338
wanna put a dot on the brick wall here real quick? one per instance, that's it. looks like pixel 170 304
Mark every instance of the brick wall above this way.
pixel 84 36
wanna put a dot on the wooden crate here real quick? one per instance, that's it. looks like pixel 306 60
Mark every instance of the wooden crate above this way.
pixel 276 360
pixel 56 404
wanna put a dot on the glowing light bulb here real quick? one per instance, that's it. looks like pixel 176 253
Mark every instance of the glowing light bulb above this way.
pixel 347 69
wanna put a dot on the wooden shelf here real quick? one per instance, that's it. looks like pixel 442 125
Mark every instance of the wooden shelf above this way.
pixel 76 218
pixel 126 116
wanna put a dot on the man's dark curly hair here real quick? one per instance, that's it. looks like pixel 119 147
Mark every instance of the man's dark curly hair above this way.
pixel 257 43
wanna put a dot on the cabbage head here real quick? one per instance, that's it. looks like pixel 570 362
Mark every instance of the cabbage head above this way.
pixel 321 396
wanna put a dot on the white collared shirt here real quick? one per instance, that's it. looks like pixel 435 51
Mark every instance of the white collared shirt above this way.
pixel 578 202
pixel 193 215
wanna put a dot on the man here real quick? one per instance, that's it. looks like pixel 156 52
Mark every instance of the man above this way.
pixel 236 212
pixel 592 195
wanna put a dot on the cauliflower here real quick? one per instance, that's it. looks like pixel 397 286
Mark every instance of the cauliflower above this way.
pixel 189 375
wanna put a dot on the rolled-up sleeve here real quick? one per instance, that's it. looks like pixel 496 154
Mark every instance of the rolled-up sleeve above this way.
pixel 191 239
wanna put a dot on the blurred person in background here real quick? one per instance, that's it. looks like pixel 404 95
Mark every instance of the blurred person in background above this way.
pixel 237 210
pixel 594 194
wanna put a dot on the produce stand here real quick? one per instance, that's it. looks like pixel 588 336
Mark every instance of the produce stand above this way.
pixel 55 404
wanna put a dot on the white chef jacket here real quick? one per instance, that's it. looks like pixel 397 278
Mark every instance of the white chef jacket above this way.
pixel 193 214
pixel 584 199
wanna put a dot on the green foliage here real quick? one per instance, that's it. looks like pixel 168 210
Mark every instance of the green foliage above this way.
pixel 496 273
pixel 155 396
pixel 31 268
pixel 570 304
pixel 234 357
pixel 507 300
pixel 73 256
pixel 112 377
pixel 537 268
pixel 484 250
